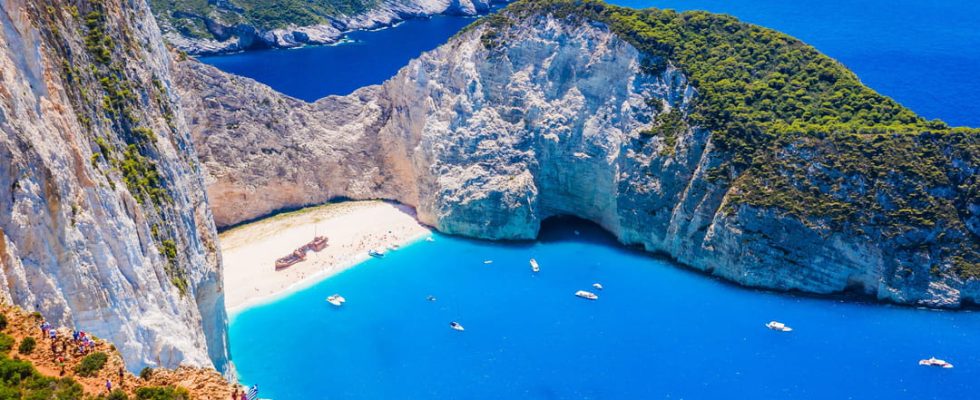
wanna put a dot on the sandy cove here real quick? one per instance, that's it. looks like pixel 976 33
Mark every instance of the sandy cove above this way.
pixel 352 228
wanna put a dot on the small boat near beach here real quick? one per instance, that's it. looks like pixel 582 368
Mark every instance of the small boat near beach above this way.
pixel 587 295
pixel 778 326
pixel 430 239
pixel 597 286
pixel 935 362
pixel 376 253
pixel 336 300
pixel 456 325
pixel 534 265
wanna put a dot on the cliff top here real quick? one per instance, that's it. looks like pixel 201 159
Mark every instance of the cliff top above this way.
pixel 189 16
pixel 29 366
pixel 868 165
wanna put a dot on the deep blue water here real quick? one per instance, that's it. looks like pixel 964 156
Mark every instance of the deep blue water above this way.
pixel 923 53
pixel 366 58
pixel 656 331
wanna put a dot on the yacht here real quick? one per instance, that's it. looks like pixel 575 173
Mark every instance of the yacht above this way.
pixel 778 326
pixel 935 362
pixel 586 295
pixel 455 325
pixel 488 261
pixel 534 265
pixel 336 300
pixel 597 286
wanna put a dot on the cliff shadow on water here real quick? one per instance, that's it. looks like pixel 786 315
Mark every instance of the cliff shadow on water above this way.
pixel 569 228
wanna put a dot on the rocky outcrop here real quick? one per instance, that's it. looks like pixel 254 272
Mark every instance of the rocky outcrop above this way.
pixel 489 137
pixel 104 225
pixel 227 38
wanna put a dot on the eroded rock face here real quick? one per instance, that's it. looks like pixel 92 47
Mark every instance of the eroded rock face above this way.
pixel 81 240
pixel 487 138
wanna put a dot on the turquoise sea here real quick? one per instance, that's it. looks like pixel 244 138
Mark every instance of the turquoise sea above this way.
pixel 657 330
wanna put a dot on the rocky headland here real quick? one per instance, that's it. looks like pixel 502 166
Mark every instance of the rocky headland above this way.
pixel 584 109
pixel 227 26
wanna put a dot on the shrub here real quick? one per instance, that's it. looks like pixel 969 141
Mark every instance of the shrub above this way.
pixel 3 322
pixel 91 364
pixel 117 394
pixel 162 393
pixel 6 343
pixel 27 345
pixel 146 373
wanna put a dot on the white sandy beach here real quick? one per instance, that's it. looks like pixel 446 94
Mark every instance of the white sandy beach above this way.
pixel 352 228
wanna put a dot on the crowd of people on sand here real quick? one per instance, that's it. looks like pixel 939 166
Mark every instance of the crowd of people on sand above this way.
pixel 67 343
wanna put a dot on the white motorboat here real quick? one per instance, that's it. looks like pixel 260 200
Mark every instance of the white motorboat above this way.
pixel 430 239
pixel 597 285
pixel 534 265
pixel 456 325
pixel 430 298
pixel 488 261
pixel 586 295
pixel 778 326
pixel 935 362
pixel 336 300
pixel 376 253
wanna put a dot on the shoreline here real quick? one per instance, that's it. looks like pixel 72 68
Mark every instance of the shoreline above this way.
pixel 352 228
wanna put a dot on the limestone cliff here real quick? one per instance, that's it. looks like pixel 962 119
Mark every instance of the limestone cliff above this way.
pixel 104 223
pixel 547 112
pixel 235 25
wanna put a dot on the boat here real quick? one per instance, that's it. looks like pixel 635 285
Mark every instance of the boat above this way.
pixel 455 325
pixel 488 261
pixel 430 298
pixel 318 243
pixel 393 247
pixel 935 362
pixel 376 253
pixel 597 285
pixel 430 239
pixel 586 295
pixel 778 326
pixel 534 265
pixel 295 257
pixel 336 300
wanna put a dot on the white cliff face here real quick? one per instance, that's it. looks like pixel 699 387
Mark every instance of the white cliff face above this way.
pixel 242 37
pixel 548 121
pixel 75 244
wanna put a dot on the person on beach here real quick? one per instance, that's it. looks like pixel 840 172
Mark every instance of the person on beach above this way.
pixel 108 386
pixel 121 381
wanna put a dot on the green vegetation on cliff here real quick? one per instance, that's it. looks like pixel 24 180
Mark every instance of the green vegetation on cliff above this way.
pixel 116 107
pixel 188 16
pixel 797 132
